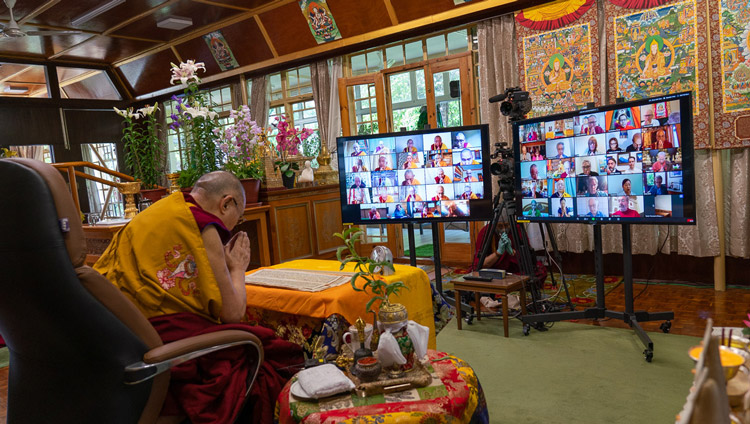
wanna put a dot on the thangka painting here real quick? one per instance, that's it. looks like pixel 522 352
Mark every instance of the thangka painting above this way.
pixel 320 20
pixel 221 51
pixel 557 69
pixel 656 51
pixel 730 19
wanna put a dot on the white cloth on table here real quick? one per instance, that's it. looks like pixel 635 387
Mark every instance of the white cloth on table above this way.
pixel 323 380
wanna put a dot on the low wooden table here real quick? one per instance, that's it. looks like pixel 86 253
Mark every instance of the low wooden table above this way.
pixel 502 287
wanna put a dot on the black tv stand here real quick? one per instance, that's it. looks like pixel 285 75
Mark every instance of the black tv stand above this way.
pixel 629 316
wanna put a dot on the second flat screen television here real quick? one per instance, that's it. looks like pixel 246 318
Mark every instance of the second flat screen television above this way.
pixel 430 175
pixel 623 163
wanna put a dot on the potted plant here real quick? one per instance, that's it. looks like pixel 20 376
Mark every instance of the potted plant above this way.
pixel 367 269
pixel 197 121
pixel 243 155
pixel 144 149
pixel 288 140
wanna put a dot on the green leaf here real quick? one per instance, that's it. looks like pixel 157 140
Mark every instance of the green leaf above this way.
pixel 339 251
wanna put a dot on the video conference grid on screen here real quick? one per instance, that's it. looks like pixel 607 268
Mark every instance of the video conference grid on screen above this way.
pixel 433 175
pixel 605 166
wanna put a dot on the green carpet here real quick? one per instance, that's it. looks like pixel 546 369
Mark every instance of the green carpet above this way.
pixel 4 356
pixel 423 251
pixel 574 373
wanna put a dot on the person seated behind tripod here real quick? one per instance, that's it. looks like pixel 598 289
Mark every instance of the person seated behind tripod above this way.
pixel 498 256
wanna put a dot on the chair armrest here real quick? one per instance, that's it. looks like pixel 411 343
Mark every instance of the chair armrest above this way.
pixel 162 358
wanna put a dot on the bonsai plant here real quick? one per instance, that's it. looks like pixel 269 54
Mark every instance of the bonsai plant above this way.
pixel 367 269
pixel 144 149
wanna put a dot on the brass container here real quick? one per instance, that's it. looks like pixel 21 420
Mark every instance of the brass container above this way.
pixel 172 178
pixel 130 189
pixel 392 313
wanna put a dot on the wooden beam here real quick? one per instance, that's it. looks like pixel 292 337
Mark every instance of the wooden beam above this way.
pixel 15 74
pixel 176 53
pixel 227 6
pixel 391 12
pixel 265 36
pixel 466 10
pixel 38 11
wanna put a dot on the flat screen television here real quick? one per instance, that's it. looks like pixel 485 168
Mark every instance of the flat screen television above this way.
pixel 430 175
pixel 623 163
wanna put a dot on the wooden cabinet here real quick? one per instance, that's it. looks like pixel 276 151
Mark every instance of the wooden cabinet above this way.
pixel 302 222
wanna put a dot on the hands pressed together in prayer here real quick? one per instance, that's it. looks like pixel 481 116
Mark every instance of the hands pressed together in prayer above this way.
pixel 237 252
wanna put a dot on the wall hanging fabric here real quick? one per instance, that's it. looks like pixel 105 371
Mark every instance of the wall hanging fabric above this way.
pixel 553 15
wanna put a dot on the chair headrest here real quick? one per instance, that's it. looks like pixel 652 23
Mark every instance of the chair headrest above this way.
pixel 68 215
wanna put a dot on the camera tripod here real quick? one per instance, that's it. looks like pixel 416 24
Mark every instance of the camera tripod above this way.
pixel 520 240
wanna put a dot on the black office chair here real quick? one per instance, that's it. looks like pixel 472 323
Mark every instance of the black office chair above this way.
pixel 80 352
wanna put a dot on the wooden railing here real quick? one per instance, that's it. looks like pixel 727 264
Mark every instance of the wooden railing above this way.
pixel 69 168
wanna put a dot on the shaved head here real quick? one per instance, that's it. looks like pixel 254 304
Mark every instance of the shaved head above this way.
pixel 215 185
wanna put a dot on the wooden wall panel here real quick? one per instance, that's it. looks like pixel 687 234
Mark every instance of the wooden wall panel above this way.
pixel 150 73
pixel 107 49
pixel 197 49
pixel 93 126
pixel 354 19
pixel 202 15
pixel 30 125
pixel 246 42
pixel 327 220
pixel 294 235
pixel 288 29
pixel 62 13
pixel 407 10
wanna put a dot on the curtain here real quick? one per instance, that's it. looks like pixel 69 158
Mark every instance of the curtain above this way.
pixel 259 100
pixel 31 152
pixel 736 194
pixel 325 86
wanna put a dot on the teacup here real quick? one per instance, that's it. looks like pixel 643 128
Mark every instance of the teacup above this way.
pixel 351 337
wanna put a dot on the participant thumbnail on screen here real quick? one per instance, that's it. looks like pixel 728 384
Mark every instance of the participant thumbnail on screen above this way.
pixel 411 176
pixel 471 139
pixel 562 187
pixel 357 164
pixel 438 192
pixel 563 207
pixel 454 208
pixel 384 179
pixel 468 174
pixel 534 170
pixel 412 194
pixel 589 145
pixel 592 186
pixel 593 207
pixel 625 185
pixel 626 206
pixel 534 189
pixel 409 144
pixel 382 146
pixel 358 180
pixel 410 160
pixel 591 124
pixel 662 160
pixel 382 162
pixel 440 141
pixel 442 175
pixel 356 148
pixel 623 119
pixel 561 168
pixel 535 207
pixel 386 194
pixel 358 196
pixel 587 166
pixel 438 158
pixel 374 211
pixel 560 148
pixel 468 191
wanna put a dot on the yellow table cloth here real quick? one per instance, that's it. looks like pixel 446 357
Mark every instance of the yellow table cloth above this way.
pixel 343 300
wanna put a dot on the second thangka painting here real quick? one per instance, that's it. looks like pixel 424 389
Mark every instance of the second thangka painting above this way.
pixel 320 20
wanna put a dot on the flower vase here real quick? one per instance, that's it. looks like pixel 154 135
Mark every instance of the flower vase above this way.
pixel 252 189
pixel 288 181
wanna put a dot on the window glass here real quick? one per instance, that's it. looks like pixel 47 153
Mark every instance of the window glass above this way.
pixel 102 154
pixel 413 51
pixel 21 80
pixel 458 41
pixel 358 65
pixel 436 46
pixel 82 83
pixel 394 56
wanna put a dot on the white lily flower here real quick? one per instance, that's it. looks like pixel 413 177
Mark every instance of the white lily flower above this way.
pixel 122 113
pixel 147 110
pixel 134 115
pixel 193 112
pixel 211 114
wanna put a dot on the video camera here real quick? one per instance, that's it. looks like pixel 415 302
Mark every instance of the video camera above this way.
pixel 516 103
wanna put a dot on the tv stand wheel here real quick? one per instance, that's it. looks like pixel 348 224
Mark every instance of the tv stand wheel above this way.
pixel 470 319
pixel 526 329
pixel 648 354
pixel 665 326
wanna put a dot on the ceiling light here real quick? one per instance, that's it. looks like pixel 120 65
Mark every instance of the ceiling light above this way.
pixel 95 12
pixel 175 22
pixel 15 89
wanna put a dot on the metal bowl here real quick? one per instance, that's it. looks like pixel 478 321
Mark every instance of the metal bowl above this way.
pixel 727 354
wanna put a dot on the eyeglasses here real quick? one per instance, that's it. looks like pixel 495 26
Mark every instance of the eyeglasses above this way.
pixel 242 217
